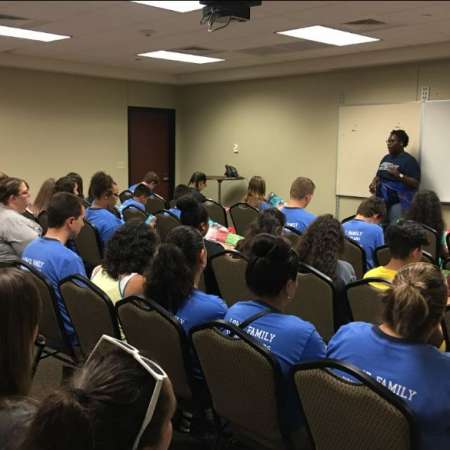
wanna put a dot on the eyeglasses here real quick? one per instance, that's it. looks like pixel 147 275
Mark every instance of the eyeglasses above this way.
pixel 105 345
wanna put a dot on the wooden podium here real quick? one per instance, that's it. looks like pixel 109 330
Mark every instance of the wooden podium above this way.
pixel 220 179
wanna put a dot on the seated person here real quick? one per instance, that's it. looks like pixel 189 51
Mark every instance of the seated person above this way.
pixel 20 309
pixel 320 247
pixel 139 199
pixel 16 231
pixel 127 255
pixel 180 190
pixel 365 227
pixel 270 221
pixel 173 277
pixel 272 276
pixel 105 193
pixel 43 196
pixel 197 183
pixel 398 353
pixel 50 255
pixel 256 193
pixel 301 193
pixel 105 406
pixel 426 209
pixel 66 184
pixel 405 241
pixel 151 180
pixel 194 214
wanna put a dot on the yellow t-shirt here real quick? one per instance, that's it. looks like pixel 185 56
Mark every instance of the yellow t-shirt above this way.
pixel 381 272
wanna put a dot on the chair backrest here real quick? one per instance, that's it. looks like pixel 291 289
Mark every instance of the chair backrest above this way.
pixel 355 255
pixel 158 334
pixel 434 242
pixel 446 327
pixel 229 269
pixel 154 204
pixel 382 255
pixel 351 415
pixel 365 300
pixel 125 195
pixel 43 221
pixel 130 212
pixel 88 245
pixel 243 379
pixel 314 300
pixel 216 212
pixel 91 311
pixel 347 219
pixel 164 223
pixel 242 216
pixel 292 235
pixel 51 324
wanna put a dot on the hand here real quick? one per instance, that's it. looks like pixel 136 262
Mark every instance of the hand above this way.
pixel 394 171
pixel 373 186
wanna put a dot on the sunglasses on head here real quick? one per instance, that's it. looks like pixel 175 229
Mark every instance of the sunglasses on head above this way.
pixel 105 345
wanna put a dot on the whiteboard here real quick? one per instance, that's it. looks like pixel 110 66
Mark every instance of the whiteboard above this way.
pixel 363 131
pixel 435 151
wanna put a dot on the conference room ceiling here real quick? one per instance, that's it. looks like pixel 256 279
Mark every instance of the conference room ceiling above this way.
pixel 107 36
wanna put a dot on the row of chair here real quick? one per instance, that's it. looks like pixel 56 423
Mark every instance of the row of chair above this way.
pixel 250 404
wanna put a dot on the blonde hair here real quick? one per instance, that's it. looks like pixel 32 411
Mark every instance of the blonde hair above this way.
pixel 415 303
pixel 256 191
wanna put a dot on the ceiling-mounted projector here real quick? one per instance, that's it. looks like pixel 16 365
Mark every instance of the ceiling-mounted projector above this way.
pixel 225 12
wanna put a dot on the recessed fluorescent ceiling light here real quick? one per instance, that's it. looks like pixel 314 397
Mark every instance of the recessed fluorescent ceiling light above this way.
pixel 174 6
pixel 327 35
pixel 22 33
pixel 183 57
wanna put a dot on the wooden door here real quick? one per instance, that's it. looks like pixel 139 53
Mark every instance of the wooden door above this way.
pixel 151 146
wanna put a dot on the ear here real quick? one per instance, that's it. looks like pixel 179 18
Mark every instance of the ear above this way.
pixel 203 258
pixel 416 254
pixel 291 288
pixel 204 227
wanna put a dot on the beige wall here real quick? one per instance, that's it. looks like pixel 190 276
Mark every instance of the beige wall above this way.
pixel 287 127
pixel 51 123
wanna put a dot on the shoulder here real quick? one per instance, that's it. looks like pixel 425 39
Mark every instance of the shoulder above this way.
pixel 208 300
pixel 374 272
pixel 345 267
pixel 353 330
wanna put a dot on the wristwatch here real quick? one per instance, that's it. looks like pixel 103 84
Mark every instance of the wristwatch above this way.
pixel 401 176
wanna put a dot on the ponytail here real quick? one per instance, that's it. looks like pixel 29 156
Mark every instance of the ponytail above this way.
pixel 61 422
pixel 415 303
pixel 170 279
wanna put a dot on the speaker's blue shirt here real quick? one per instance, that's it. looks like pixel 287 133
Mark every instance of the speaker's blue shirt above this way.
pixel 131 202
pixel 298 218
pixel 418 373
pixel 368 235
pixel 290 339
pixel 104 221
pixel 56 262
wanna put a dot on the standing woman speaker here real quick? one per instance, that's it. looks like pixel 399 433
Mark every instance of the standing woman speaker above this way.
pixel 398 176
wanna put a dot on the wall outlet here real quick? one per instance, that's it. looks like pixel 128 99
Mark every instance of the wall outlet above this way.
pixel 235 148
pixel 425 94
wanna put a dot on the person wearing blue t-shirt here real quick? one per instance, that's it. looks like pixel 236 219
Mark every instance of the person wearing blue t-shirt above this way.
pixel 105 194
pixel 50 255
pixel 151 180
pixel 301 193
pixel 365 227
pixel 138 201
pixel 402 352
pixel 272 276
pixel 174 276
pixel 398 176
